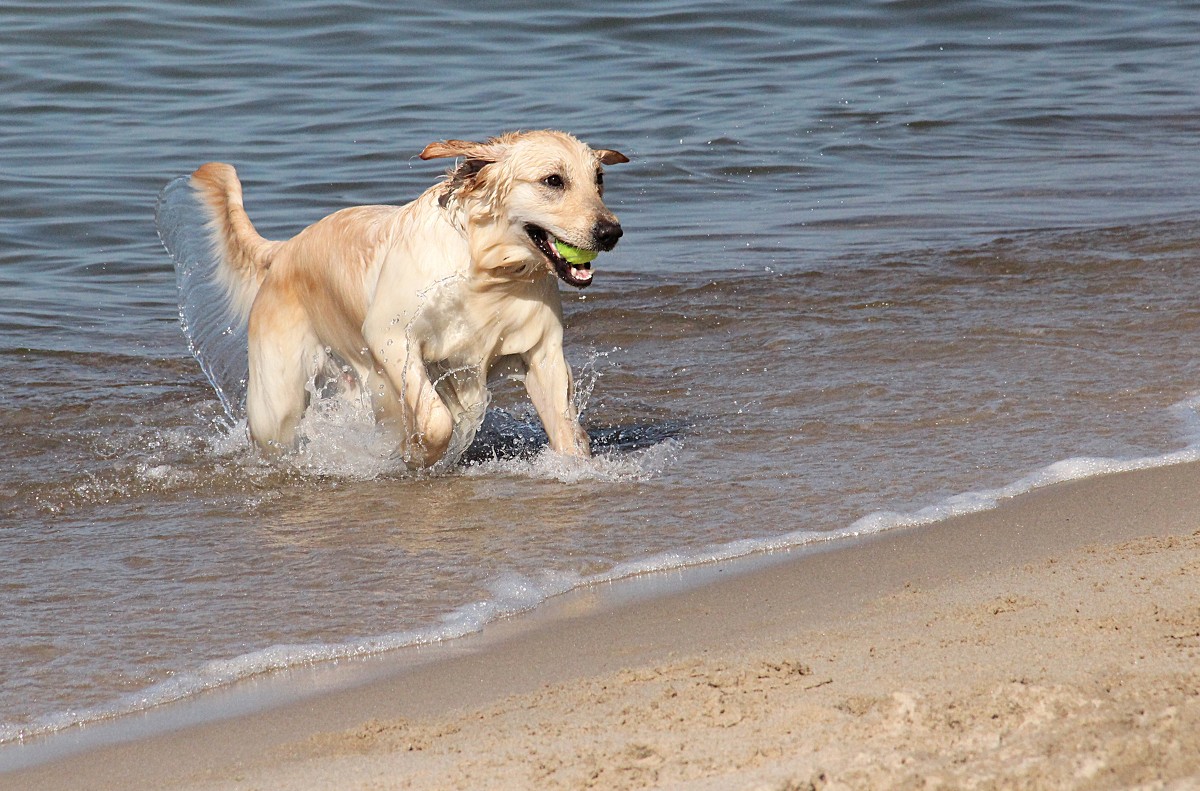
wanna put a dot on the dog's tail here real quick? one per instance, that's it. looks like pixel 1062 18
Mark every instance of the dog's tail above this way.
pixel 220 260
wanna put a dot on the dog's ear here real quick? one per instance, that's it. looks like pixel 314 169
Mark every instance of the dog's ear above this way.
pixel 609 157
pixel 484 153
pixel 464 177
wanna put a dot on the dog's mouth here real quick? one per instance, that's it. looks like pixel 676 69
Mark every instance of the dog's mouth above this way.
pixel 577 275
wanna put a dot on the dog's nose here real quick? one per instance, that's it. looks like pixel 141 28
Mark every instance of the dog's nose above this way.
pixel 605 234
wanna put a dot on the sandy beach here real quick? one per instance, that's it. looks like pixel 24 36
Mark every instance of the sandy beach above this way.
pixel 1050 643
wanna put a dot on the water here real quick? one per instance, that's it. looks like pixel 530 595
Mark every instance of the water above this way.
pixel 887 257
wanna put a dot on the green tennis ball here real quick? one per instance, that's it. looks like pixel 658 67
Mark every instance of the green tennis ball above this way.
pixel 574 255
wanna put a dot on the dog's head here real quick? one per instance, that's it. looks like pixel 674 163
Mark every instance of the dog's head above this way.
pixel 523 191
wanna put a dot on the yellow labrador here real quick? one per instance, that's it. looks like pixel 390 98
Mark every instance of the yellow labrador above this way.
pixel 417 304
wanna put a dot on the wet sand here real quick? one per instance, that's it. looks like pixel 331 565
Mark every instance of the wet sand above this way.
pixel 1053 642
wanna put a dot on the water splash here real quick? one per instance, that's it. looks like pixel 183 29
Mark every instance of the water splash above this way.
pixel 216 331
pixel 340 438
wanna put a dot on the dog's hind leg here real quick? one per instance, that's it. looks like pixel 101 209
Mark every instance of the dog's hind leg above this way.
pixel 284 355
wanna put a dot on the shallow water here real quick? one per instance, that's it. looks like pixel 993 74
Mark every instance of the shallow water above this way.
pixel 875 257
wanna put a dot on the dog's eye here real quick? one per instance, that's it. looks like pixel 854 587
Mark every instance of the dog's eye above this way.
pixel 554 181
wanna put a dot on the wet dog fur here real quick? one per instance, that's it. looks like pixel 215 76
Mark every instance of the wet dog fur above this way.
pixel 416 305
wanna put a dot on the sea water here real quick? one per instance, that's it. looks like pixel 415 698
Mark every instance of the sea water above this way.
pixel 883 262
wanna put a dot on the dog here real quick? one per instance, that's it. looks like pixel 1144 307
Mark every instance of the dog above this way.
pixel 415 305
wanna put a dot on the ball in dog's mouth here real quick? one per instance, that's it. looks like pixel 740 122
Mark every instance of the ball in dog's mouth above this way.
pixel 573 265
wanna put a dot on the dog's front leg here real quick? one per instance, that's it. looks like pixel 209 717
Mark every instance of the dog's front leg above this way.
pixel 406 403
pixel 548 381
pixel 428 423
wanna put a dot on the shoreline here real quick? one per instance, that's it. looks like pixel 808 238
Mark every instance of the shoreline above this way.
pixel 273 689
pixel 653 576
pixel 791 606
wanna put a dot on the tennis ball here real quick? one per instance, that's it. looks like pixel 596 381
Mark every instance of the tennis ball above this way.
pixel 574 255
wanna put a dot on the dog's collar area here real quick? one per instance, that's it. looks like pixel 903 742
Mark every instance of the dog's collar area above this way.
pixel 577 275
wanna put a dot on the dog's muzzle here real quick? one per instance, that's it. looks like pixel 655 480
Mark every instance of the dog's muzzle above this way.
pixel 605 234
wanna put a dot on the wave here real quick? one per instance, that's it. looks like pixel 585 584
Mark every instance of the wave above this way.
pixel 513 593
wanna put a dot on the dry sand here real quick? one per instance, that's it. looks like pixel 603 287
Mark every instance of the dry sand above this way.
pixel 1051 643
